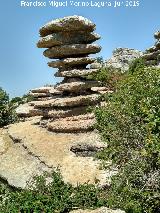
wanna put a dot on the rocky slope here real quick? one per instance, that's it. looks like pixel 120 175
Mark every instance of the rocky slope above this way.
pixel 122 58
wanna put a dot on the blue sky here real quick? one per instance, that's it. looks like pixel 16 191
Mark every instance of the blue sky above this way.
pixel 22 64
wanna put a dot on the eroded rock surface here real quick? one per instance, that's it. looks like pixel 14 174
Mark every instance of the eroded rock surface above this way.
pixel 122 58
pixel 152 54
pixel 27 149
pixel 70 23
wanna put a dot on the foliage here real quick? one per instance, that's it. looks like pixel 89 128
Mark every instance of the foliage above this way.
pixel 22 100
pixel 7 114
pixel 130 124
pixel 55 196
pixel 107 77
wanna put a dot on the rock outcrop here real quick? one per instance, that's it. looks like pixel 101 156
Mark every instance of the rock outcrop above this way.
pixel 122 58
pixel 26 150
pixel 62 135
pixel 99 210
pixel 69 40
pixel 152 54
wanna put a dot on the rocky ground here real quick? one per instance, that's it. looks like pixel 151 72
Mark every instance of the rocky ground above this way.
pixel 26 149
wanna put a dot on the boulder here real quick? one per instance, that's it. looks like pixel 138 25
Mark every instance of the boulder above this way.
pixel 63 38
pixel 71 50
pixel 70 23
pixel 71 62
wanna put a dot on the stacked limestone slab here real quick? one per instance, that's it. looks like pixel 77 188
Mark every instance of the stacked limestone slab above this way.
pixel 69 41
pixel 152 54
pixel 44 93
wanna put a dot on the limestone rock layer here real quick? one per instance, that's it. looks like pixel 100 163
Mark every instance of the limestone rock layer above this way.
pixel 63 107
pixel 152 54
pixel 68 42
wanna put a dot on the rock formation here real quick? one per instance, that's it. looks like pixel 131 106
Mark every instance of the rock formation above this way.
pixel 27 148
pixel 122 58
pixel 64 106
pixel 152 54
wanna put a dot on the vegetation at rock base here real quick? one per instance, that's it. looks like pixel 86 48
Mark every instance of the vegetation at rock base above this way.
pixel 130 124
pixel 55 196
pixel 7 114
pixel 7 107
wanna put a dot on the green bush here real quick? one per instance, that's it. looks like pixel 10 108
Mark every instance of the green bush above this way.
pixel 7 114
pixel 55 196
pixel 130 124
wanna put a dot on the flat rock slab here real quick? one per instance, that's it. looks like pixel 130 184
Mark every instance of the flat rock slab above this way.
pixel 63 38
pixel 78 86
pixel 68 101
pixel 65 113
pixel 81 123
pixel 16 165
pixel 70 62
pixel 151 56
pixel 76 73
pixel 26 110
pixel 41 90
pixel 37 95
pixel 99 210
pixel 54 151
pixel 71 50
pixel 70 23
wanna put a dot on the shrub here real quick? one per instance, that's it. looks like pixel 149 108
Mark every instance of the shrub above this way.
pixel 55 196
pixel 130 124
pixel 7 114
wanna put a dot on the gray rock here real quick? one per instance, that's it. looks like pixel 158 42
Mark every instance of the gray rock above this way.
pixel 71 50
pixel 37 95
pixel 122 58
pixel 96 65
pixel 76 73
pixel 79 123
pixel 63 38
pixel 81 100
pixel 70 23
pixel 65 113
pixel 26 110
pixel 54 151
pixel 157 35
pixel 151 56
pixel 41 90
pixel 70 62
pixel 16 165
